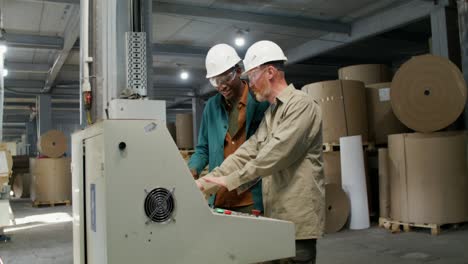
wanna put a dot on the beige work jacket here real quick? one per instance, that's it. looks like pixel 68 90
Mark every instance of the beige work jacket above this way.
pixel 286 151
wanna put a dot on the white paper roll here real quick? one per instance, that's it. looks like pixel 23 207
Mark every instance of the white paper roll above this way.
pixel 353 177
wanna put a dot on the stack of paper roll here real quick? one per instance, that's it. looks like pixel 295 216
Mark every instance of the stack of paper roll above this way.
pixel 382 121
pixel 343 105
pixel 184 131
pixel 429 177
pixel 428 93
pixel 51 180
pixel 52 144
pixel 366 73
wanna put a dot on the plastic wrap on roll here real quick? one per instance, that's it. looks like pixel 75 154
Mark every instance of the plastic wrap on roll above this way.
pixel 337 204
pixel 382 121
pixel 343 105
pixel 429 177
pixel 353 178
pixel 366 73
pixel 52 144
pixel 184 131
pixel 384 183
pixel 428 93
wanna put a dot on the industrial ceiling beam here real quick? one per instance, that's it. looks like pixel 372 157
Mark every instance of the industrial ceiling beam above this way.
pixel 33 41
pixel 72 32
pixel 366 27
pixel 249 17
pixel 69 2
pixel 26 67
pixel 36 68
pixel 179 50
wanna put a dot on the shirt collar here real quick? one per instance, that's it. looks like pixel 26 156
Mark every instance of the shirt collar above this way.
pixel 242 99
pixel 285 94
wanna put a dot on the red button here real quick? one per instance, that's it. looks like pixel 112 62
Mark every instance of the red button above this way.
pixel 256 212
pixel 227 212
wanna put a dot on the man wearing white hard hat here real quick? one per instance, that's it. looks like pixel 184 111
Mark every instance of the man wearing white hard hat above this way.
pixel 229 119
pixel 286 151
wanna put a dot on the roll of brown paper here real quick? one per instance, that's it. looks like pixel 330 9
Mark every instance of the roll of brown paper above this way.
pixel 184 131
pixel 382 120
pixel 22 185
pixel 428 93
pixel 343 105
pixel 384 184
pixel 332 167
pixel 52 144
pixel 337 206
pixel 366 73
pixel 428 177
pixel 51 180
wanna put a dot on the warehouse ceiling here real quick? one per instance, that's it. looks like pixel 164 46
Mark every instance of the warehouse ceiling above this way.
pixel 43 55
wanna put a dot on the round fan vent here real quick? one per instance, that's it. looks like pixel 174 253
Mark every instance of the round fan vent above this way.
pixel 159 205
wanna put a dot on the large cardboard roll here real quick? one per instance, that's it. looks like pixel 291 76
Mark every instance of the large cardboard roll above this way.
pixel 52 144
pixel 21 185
pixel 366 73
pixel 184 131
pixel 429 177
pixel 384 183
pixel 51 180
pixel 428 93
pixel 382 121
pixel 343 105
pixel 338 208
pixel 172 130
pixel 332 167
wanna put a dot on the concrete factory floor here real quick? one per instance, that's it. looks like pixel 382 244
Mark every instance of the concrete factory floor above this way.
pixel 44 236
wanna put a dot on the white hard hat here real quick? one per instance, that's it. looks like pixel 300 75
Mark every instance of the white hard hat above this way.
pixel 262 52
pixel 219 59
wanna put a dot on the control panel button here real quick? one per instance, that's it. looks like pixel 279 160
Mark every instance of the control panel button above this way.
pixel 220 211
pixel 227 212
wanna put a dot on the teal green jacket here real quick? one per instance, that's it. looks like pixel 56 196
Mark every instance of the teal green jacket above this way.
pixel 212 133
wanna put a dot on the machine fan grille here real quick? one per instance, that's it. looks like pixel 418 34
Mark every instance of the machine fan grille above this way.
pixel 159 205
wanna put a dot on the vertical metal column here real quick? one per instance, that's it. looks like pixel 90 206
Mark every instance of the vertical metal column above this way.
pixel 31 142
pixel 446 42
pixel 463 26
pixel 197 112
pixel 44 117
pixel 445 34
pixel 2 93
pixel 147 16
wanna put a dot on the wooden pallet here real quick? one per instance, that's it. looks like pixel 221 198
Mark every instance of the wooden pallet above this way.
pixel 397 226
pixel 51 204
pixel 330 147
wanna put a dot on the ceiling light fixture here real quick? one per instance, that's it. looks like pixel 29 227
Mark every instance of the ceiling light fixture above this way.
pixel 5 72
pixel 184 75
pixel 240 37
pixel 3 49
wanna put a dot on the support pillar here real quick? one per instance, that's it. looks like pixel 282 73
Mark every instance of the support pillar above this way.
pixel 463 26
pixel 197 111
pixel 445 34
pixel 44 116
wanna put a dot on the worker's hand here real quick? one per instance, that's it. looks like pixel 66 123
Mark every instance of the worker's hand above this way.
pixel 216 180
pixel 194 174
pixel 200 185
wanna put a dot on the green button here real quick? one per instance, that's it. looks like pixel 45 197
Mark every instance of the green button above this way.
pixel 220 211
